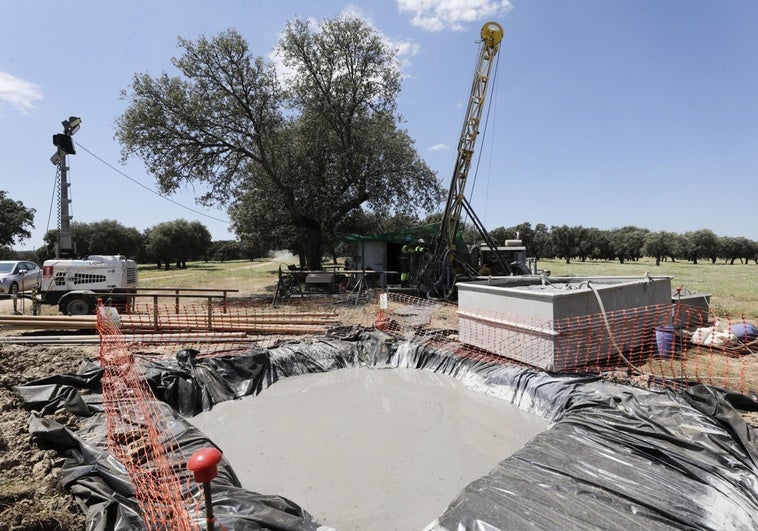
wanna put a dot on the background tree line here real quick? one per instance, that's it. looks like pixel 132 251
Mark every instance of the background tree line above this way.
pixel 171 242
pixel 168 244
pixel 179 241
pixel 628 244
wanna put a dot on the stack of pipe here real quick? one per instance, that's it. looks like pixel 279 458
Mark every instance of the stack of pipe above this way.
pixel 94 339
pixel 260 323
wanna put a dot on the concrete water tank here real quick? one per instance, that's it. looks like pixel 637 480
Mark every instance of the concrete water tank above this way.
pixel 563 323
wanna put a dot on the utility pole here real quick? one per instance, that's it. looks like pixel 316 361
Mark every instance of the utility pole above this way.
pixel 65 145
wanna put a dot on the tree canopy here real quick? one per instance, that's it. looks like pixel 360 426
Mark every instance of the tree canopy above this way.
pixel 177 241
pixel 294 155
pixel 100 237
pixel 15 220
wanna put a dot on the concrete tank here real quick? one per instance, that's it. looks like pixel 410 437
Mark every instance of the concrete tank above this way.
pixel 563 323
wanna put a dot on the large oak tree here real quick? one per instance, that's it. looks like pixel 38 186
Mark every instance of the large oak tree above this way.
pixel 293 155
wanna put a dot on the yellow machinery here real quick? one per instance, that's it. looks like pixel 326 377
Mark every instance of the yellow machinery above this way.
pixel 492 34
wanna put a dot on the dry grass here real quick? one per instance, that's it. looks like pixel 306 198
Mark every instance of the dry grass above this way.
pixel 738 372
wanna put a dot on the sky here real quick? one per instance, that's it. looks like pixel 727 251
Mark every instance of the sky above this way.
pixel 603 113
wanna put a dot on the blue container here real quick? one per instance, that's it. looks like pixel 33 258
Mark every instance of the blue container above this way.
pixel 665 338
pixel 745 332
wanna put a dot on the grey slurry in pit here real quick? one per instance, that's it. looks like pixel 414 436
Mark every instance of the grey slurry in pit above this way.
pixel 367 449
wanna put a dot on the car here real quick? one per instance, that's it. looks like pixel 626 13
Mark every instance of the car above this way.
pixel 18 276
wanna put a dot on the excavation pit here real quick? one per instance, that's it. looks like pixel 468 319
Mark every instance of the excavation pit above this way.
pixel 614 457
pixel 367 449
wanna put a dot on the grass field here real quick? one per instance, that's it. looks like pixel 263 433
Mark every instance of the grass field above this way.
pixel 249 277
pixel 733 288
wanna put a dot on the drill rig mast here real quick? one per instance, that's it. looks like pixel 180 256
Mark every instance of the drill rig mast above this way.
pixel 447 263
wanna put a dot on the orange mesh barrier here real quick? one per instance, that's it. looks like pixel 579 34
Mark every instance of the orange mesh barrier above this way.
pixel 674 345
pixel 669 344
pixel 138 435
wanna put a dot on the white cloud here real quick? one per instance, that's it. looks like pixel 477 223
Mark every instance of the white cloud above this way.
pixel 438 147
pixel 353 11
pixel 18 93
pixel 437 15
pixel 406 48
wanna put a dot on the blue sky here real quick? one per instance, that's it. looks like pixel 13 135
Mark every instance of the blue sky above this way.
pixel 604 113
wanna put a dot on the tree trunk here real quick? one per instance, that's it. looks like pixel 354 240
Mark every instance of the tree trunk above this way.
pixel 313 255
pixel 312 245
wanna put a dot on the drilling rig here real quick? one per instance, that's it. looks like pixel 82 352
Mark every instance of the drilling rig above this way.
pixel 448 261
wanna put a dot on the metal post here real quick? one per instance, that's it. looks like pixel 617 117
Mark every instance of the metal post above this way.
pixel 155 312
pixel 64 230
pixel 209 518
pixel 203 465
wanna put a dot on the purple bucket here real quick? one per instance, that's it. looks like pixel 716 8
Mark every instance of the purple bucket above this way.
pixel 665 339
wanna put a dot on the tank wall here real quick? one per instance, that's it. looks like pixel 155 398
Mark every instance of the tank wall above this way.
pixel 692 311
pixel 555 328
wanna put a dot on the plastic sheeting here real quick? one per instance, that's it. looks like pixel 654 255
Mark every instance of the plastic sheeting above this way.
pixel 616 457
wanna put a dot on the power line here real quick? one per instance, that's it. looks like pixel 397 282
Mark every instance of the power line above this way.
pixel 150 189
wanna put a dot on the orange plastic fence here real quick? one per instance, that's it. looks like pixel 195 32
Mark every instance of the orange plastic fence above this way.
pixel 675 345
pixel 666 344
pixel 139 435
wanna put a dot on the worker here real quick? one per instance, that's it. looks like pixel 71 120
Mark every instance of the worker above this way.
pixel 406 254
pixel 420 247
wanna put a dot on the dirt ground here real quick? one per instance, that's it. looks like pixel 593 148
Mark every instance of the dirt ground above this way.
pixel 30 496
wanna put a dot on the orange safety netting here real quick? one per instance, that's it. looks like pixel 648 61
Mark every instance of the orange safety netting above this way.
pixel 138 434
pixel 674 345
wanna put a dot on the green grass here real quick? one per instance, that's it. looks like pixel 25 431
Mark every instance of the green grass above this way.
pixel 733 288
pixel 247 276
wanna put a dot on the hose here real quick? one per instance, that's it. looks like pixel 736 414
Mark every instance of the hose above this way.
pixel 629 364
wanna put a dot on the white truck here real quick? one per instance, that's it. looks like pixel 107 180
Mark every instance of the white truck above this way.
pixel 75 285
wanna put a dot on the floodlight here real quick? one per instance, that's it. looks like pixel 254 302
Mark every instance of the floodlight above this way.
pixel 65 143
pixel 56 158
pixel 71 125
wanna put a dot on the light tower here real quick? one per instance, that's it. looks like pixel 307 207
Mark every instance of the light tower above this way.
pixel 65 145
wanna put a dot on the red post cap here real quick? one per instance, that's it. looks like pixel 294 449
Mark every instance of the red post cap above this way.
pixel 203 464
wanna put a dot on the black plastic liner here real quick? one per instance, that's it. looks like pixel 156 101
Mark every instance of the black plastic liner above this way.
pixel 616 457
